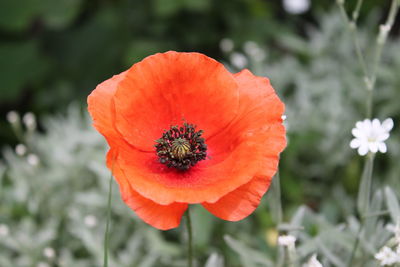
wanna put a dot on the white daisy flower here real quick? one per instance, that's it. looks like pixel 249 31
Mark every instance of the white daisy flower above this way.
pixel 49 252
pixel 29 120
pixel 4 230
pixel 20 149
pixel 13 117
pixel 33 159
pixel 386 256
pixel 226 45
pixel 296 6
pixel 313 262
pixel 90 220
pixel 287 241
pixel 238 60
pixel 370 135
pixel 42 264
pixel 395 229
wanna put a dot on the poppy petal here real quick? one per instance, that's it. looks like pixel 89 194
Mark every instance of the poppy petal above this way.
pixel 101 108
pixel 201 183
pixel 171 88
pixel 249 146
pixel 260 117
pixel 163 217
pixel 241 202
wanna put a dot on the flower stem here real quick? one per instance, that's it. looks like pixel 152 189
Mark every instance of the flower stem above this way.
pixel 364 191
pixel 355 246
pixel 352 26
pixel 190 238
pixel 369 78
pixel 105 263
pixel 356 11
pixel 363 201
pixel 380 42
pixel 276 189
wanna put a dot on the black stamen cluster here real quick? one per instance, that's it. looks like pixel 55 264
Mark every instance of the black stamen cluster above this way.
pixel 188 149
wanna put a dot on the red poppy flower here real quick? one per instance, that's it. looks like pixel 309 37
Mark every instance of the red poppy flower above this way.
pixel 183 130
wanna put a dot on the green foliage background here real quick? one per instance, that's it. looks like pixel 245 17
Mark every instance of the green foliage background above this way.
pixel 53 53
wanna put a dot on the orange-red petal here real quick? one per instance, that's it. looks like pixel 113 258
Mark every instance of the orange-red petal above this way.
pixel 241 202
pixel 163 217
pixel 171 88
pixel 241 118
pixel 101 108
pixel 250 145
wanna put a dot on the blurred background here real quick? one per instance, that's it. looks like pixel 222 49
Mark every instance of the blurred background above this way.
pixel 53 53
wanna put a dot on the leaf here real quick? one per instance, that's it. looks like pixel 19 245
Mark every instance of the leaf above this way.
pixel 376 207
pixel 364 191
pixel 330 255
pixel 392 204
pixel 298 217
pixel 274 197
pixel 215 260
pixel 248 256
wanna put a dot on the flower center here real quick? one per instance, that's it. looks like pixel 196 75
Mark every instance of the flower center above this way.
pixel 181 147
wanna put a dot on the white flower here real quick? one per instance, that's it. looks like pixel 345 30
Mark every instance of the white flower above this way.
pixel 29 120
pixel 42 264
pixel 20 149
pixel 226 45
pixel 49 252
pixel 4 230
pixel 12 117
pixel 370 135
pixel 296 6
pixel 396 230
pixel 287 241
pixel 238 60
pixel 90 221
pixel 313 262
pixel 33 160
pixel 386 256
pixel 252 49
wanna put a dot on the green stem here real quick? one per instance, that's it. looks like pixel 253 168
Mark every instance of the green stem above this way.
pixel 351 25
pixel 291 256
pixel 380 42
pixel 105 263
pixel 369 103
pixel 363 201
pixel 355 246
pixel 364 192
pixel 276 183
pixel 394 8
pixel 356 11
pixel 276 189
pixel 190 238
